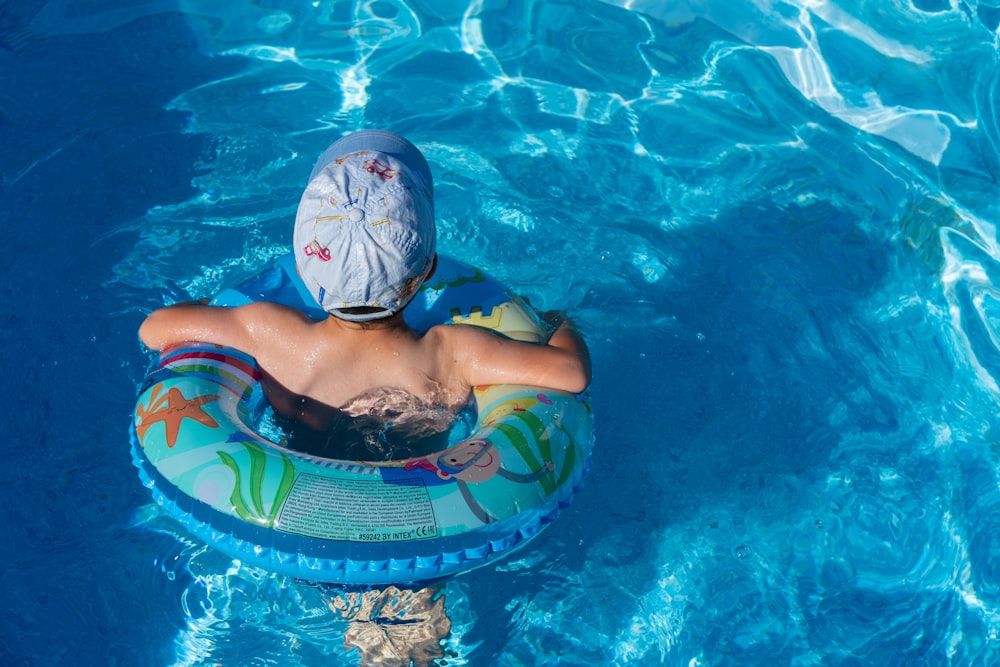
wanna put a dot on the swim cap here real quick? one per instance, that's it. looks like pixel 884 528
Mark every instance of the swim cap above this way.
pixel 364 232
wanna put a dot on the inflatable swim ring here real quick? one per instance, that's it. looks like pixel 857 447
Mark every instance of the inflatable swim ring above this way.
pixel 359 522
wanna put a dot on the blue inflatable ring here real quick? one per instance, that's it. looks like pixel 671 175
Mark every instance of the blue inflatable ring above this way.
pixel 359 522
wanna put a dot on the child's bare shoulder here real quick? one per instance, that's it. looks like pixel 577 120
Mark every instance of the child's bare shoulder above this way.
pixel 266 316
pixel 459 332
pixel 462 339
pixel 266 309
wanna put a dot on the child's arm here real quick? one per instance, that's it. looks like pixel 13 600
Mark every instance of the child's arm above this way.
pixel 569 340
pixel 487 358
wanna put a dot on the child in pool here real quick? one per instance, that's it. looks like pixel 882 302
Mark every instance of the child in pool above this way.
pixel 364 242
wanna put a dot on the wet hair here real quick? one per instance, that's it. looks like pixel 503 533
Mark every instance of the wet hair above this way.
pixel 374 323
pixel 364 310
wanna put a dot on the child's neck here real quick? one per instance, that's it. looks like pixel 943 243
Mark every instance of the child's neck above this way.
pixel 393 322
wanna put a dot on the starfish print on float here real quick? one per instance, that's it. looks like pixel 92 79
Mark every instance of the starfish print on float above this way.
pixel 171 409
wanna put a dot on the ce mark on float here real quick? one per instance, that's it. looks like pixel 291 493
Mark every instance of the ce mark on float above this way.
pixel 423 532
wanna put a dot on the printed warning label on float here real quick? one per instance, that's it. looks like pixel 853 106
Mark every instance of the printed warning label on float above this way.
pixel 358 510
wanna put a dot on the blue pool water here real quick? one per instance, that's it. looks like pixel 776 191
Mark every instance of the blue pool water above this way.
pixel 775 222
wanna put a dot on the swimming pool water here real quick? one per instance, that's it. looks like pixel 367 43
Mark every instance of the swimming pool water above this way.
pixel 775 222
